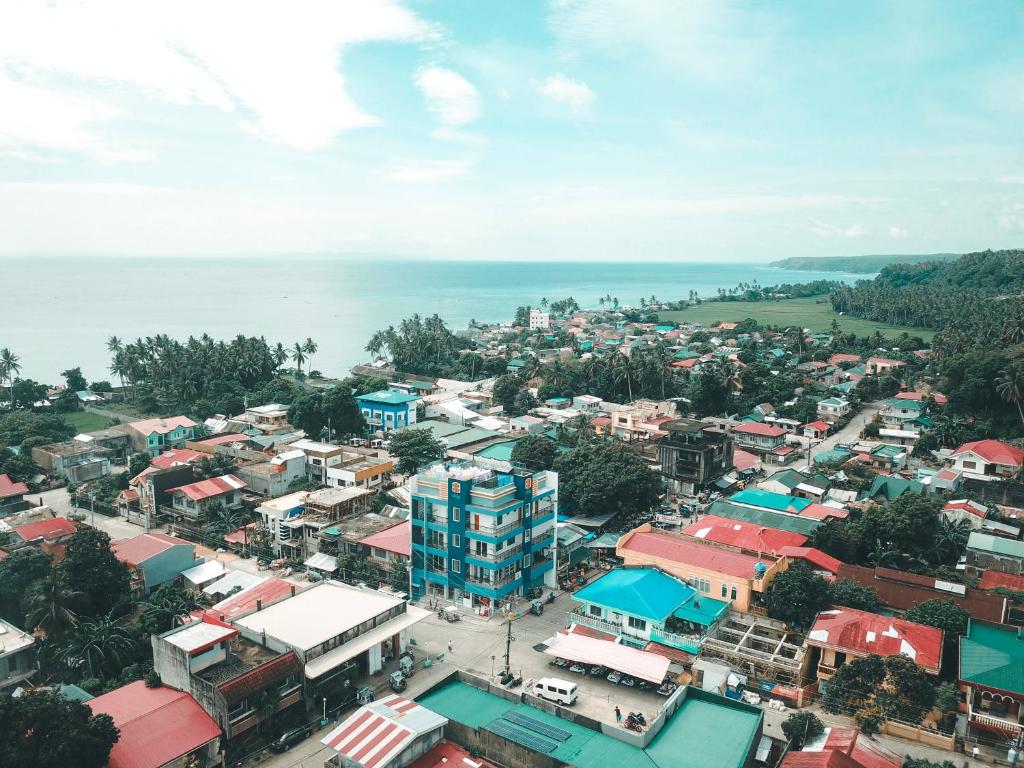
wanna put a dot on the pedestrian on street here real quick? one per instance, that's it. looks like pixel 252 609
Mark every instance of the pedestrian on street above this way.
pixel 618 714
pixel 451 648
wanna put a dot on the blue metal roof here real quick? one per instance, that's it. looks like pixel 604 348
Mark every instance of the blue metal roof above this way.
pixel 645 592
pixel 387 396
pixel 779 502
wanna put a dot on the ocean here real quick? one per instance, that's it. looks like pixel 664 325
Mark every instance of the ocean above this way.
pixel 57 313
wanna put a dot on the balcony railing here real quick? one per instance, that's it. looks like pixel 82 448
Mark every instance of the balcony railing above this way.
pixel 496 557
pixel 826 670
pixel 499 581
pixel 1007 726
pixel 579 617
pixel 689 643
pixel 497 532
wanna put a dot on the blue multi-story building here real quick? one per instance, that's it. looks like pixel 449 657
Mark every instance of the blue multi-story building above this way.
pixel 387 410
pixel 482 534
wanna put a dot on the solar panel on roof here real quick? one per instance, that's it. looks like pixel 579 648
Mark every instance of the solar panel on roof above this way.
pixel 529 740
pixel 536 725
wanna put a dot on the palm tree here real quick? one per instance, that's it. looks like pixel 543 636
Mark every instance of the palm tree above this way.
pixel 279 355
pixel 99 645
pixel 114 345
pixel 10 366
pixel 951 538
pixel 1010 386
pixel 50 608
pixel 623 367
pixel 310 348
pixel 299 355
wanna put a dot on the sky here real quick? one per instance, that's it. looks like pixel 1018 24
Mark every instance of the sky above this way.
pixel 701 130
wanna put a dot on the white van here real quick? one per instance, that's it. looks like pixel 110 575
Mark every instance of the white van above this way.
pixel 555 689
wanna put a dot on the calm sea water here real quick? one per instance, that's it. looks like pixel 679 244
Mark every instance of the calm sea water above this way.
pixel 57 313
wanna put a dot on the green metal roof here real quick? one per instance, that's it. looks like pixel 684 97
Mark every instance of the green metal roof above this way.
pixel 645 592
pixel 702 610
pixel 467 436
pixel 682 743
pixel 893 487
pixel 993 657
pixel 788 477
pixel 439 428
pixel 996 544
pixel 909 405
pixel 761 516
pixel 780 502
pixel 835 454
pixel 387 396
pixel 498 451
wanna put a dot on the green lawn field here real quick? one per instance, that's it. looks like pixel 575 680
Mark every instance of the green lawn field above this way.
pixel 83 421
pixel 812 312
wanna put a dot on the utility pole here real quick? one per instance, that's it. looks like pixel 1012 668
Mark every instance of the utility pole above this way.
pixel 508 647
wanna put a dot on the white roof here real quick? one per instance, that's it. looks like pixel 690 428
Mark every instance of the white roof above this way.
pixel 202 573
pixel 318 613
pixel 284 503
pixel 13 639
pixel 629 661
pixel 322 562
pixel 198 634
pixel 312 446
pixel 378 733
pixel 288 456
pixel 232 580
pixel 332 659
pixel 268 408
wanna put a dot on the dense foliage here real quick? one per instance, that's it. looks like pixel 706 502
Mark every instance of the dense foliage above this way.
pixel 414 449
pixel 870 687
pixel 42 729
pixel 800 727
pixel 604 477
pixel 535 452
pixel 336 407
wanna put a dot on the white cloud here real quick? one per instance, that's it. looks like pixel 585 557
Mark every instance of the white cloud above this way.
pixel 1009 179
pixel 564 89
pixel 601 203
pixel 900 233
pixel 1012 218
pixel 452 99
pixel 425 171
pixel 275 66
pixel 823 229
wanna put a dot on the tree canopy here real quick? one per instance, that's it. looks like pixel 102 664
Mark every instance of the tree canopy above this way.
pixel 337 407
pixel 942 614
pixel 42 729
pixel 796 595
pixel 535 452
pixel 606 477
pixel 415 449
pixel 90 567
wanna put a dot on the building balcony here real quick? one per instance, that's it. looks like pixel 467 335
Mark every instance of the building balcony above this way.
pixel 496 557
pixel 1007 725
pixel 826 671
pixel 496 532
pixel 584 619
pixel 688 643
pixel 497 583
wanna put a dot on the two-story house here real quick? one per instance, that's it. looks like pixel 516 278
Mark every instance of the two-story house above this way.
pixel 17 656
pixel 194 499
pixel 12 496
pixel 991 660
pixel 154 559
pixel 768 441
pixel 238 682
pixel 387 410
pixel 154 436
pixel 987 552
pixel 272 478
pixel 832 409
pixel 988 460
pixel 643 605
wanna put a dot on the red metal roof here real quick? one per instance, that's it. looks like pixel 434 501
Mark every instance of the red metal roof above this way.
pixel 207 489
pixel 158 725
pixel 742 460
pixel 444 754
pixel 266 592
pixel 47 530
pixel 224 439
pixel 240 536
pixel 168 459
pixel 379 732
pixel 966 505
pixel 141 548
pixel 257 679
pixel 822 512
pixel 722 530
pixel 673 654
pixel 841 357
pixel 996 579
pixel 815 557
pixel 863 633
pixel 753 428
pixel 675 548
pixel 580 629
pixel 819 425
pixel 397 539
pixel 844 749
pixel 10 488
pixel 994 451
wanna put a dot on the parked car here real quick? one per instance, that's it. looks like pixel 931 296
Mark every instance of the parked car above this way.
pixel 290 738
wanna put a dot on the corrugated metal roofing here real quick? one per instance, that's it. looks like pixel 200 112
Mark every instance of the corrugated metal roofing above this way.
pixel 993 657
pixel 645 592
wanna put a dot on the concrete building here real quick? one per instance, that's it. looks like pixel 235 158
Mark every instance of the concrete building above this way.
pixel 194 499
pixel 154 559
pixel 17 656
pixel 693 455
pixel 272 478
pixel 986 552
pixel 539 320
pixel 12 496
pixel 762 439
pixel 268 419
pixel 481 534
pixel 359 470
pixel 991 660
pixel 229 676
pixel 834 408
pixel 712 570
pixel 386 410
pixel 647 608
pixel 154 436
pixel 275 513
pixel 73 460
pixel 393 732
pixel 988 460
pixel 335 631
pixel 159 728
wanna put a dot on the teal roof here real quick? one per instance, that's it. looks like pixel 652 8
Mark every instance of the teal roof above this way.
pixel 664 328
pixel 833 455
pixel 831 401
pixel 73 693
pixel 685 354
pixel 788 477
pixel 996 544
pixel 776 352
pixel 780 502
pixel 438 428
pixel 468 436
pixel 766 517
pixel 857 370
pixel 498 451
pixel 683 742
pixel 701 610
pixel 893 487
pixel 645 592
pixel 387 397
pixel 993 656
pixel 889 451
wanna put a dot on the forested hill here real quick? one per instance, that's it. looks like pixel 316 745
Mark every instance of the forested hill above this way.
pixel 863 264
pixel 973 300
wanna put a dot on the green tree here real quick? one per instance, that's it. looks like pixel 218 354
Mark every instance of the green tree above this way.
pixel 942 614
pixel 298 353
pixel 607 477
pixel 414 449
pixel 90 566
pixel 218 521
pixel 167 607
pixel 42 729
pixel 98 647
pixel 854 595
pixel 398 576
pixel 137 463
pixel 908 693
pixel 505 390
pixel 18 426
pixel 10 367
pixel 796 595
pixel 75 380
pixel 853 686
pixel 535 452
pixel 801 727
pixel 26 392
pixel 20 572
pixel 51 608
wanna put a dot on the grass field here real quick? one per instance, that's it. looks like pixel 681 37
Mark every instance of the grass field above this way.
pixel 812 312
pixel 83 421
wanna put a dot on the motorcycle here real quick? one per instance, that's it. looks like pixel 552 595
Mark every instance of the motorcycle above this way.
pixel 634 724
pixel 638 717
pixel 551 598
